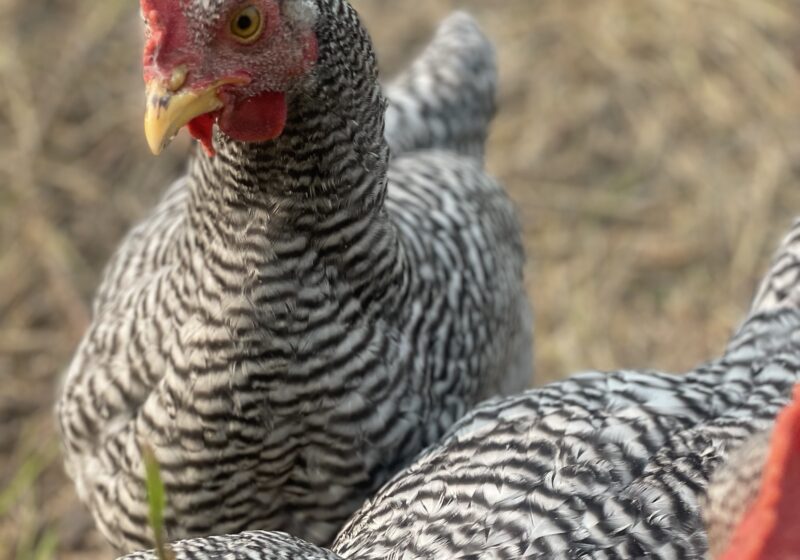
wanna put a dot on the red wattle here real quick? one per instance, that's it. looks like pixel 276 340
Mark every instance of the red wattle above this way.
pixel 256 119
pixel 202 128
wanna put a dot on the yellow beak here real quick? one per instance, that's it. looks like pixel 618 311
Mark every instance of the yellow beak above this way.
pixel 169 108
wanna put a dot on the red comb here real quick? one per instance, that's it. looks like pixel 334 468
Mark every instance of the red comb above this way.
pixel 168 32
pixel 159 13
pixel 767 530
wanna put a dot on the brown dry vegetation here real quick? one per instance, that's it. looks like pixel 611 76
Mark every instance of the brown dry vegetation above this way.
pixel 652 147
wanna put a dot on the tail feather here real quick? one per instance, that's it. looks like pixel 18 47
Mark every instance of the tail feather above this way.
pixel 781 286
pixel 446 99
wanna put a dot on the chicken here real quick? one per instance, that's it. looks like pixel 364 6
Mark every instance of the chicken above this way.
pixel 599 466
pixel 752 506
pixel 319 298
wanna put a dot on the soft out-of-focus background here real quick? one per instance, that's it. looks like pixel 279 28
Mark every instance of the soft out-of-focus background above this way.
pixel 653 148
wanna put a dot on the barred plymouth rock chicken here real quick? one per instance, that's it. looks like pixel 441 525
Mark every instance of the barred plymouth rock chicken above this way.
pixel 303 312
pixel 599 466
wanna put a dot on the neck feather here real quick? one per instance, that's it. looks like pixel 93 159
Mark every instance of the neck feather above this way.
pixel 322 183
pixel 331 159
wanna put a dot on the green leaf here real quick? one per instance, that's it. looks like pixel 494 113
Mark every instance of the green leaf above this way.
pixel 46 547
pixel 156 499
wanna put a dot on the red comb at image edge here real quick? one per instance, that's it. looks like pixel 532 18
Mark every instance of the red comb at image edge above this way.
pixel 768 529
pixel 168 30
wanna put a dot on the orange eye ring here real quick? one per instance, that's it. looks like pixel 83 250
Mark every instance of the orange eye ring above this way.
pixel 247 24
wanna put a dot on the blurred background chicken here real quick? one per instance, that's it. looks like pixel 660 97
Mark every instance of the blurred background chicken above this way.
pixel 651 146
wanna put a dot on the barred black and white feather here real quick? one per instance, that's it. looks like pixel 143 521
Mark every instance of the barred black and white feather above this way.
pixel 296 320
pixel 446 99
pixel 599 466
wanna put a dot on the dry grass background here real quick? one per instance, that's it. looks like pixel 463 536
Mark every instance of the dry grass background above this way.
pixel 652 146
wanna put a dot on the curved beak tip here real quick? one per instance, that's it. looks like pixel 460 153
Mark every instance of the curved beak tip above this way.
pixel 156 139
pixel 168 111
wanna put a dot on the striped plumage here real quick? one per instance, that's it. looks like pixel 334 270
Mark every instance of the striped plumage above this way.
pixel 601 466
pixel 297 319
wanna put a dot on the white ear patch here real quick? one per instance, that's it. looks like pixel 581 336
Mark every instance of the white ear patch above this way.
pixel 209 5
pixel 304 13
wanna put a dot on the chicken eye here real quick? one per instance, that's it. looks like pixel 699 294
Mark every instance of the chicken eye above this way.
pixel 246 24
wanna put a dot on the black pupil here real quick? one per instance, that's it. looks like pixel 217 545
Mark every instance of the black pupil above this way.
pixel 244 22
